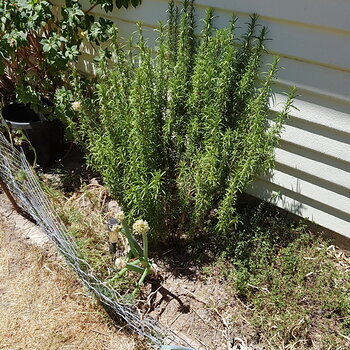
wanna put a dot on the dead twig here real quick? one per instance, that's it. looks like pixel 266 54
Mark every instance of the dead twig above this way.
pixel 223 319
pixel 193 296
pixel 104 334
pixel 344 336
pixel 205 321
pixel 258 288
pixel 174 320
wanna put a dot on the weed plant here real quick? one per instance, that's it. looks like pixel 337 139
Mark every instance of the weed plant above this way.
pixel 178 132
pixel 84 215
pixel 296 292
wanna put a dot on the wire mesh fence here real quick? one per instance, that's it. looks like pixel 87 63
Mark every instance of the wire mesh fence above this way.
pixel 24 185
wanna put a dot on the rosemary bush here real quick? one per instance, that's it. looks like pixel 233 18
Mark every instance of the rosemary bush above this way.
pixel 178 132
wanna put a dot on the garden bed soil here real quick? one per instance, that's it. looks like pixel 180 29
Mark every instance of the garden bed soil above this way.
pixel 198 304
pixel 203 310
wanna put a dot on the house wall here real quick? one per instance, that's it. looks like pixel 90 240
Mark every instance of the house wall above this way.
pixel 312 37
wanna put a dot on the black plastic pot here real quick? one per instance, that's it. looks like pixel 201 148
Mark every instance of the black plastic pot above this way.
pixel 46 136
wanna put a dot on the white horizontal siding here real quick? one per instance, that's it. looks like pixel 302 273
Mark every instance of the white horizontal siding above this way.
pixel 312 176
pixel 293 200
pixel 310 188
pixel 316 114
pixel 311 163
pixel 336 147
pixel 322 13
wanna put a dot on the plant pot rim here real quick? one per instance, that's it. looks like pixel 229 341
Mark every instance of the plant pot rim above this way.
pixel 31 121
pixel 26 125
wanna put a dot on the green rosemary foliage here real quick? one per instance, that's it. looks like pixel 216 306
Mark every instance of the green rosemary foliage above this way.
pixel 178 132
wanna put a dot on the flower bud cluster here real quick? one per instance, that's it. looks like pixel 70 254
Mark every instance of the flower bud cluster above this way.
pixel 76 106
pixel 140 227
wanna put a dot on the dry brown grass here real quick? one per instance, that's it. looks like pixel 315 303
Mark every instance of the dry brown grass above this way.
pixel 43 306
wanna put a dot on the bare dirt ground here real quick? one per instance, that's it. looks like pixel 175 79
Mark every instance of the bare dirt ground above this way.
pixel 43 305
pixel 203 311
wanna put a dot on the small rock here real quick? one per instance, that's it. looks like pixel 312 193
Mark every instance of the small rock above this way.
pixel 113 207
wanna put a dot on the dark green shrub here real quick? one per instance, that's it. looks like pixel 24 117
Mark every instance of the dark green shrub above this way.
pixel 178 132
pixel 37 44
